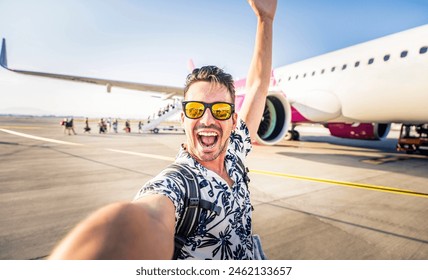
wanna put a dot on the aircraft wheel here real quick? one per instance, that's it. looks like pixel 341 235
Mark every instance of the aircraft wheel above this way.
pixel 156 130
pixel 288 136
pixel 295 135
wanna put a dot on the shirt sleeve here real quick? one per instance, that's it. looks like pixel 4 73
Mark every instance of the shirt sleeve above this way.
pixel 165 186
pixel 240 139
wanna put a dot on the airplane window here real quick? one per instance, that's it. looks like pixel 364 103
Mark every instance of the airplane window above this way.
pixel 313 73
pixel 344 67
pixel 371 60
pixel 386 57
pixel 304 75
pixel 423 50
pixel 322 71
pixel 297 76
pixel 289 78
pixel 333 68
pixel 403 54
pixel 357 64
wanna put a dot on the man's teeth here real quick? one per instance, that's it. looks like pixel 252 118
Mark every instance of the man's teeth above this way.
pixel 207 134
pixel 208 138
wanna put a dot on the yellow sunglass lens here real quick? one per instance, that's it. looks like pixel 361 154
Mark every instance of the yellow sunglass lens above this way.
pixel 221 111
pixel 194 110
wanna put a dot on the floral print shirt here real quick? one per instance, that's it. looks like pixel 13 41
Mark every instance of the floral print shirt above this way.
pixel 224 236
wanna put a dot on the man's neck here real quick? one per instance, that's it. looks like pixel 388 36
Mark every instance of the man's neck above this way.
pixel 218 165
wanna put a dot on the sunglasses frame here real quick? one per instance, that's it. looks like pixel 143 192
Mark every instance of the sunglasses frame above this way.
pixel 210 106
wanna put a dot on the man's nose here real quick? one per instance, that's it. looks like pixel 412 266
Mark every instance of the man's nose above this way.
pixel 207 118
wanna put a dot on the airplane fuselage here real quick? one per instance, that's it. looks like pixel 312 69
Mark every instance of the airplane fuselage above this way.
pixel 380 81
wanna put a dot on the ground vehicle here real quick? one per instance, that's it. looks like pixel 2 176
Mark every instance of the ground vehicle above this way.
pixel 167 128
pixel 413 138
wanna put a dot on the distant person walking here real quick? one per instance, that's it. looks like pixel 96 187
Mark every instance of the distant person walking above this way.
pixel 71 122
pixel 140 126
pixel 87 128
pixel 115 125
pixel 109 124
pixel 127 126
pixel 63 123
pixel 102 126
pixel 69 126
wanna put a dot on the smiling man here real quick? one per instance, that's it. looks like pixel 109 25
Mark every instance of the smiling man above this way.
pixel 217 142
pixel 208 115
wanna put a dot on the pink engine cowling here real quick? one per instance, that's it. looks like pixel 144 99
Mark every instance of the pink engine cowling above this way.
pixel 362 131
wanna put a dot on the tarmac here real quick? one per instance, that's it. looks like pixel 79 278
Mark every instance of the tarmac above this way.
pixel 321 198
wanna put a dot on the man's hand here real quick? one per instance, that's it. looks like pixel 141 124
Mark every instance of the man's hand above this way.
pixel 143 229
pixel 264 9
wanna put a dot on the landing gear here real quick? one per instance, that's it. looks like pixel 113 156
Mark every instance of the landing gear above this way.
pixel 292 135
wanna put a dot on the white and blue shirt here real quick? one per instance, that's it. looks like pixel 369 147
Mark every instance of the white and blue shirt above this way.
pixel 224 236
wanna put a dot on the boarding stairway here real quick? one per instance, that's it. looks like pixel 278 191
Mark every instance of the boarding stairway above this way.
pixel 151 126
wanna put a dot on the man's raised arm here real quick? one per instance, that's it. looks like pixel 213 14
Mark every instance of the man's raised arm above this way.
pixel 261 65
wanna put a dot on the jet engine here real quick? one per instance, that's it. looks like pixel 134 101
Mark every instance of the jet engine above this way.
pixel 362 131
pixel 276 119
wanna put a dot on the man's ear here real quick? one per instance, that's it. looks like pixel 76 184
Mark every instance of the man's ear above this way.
pixel 235 119
pixel 182 118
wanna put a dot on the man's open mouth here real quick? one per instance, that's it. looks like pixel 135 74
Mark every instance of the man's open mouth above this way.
pixel 207 139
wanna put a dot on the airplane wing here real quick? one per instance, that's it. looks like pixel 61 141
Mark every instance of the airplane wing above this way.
pixel 163 90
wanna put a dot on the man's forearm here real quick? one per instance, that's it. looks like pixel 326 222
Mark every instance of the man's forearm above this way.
pixel 259 74
pixel 117 231
pixel 261 63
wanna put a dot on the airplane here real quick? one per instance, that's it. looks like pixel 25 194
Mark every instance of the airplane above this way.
pixel 356 92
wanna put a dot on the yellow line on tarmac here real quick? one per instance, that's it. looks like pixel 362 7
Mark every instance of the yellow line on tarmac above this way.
pixel 342 183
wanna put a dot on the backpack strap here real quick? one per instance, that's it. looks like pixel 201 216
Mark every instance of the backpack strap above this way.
pixel 244 171
pixel 193 203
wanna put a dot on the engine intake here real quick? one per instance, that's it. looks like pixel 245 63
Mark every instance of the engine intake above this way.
pixel 276 119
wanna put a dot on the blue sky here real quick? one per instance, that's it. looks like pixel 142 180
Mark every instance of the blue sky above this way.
pixel 152 41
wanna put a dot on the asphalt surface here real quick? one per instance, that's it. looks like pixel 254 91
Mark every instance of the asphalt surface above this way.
pixel 318 198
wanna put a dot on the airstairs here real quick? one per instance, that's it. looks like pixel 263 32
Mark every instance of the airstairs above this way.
pixel 154 123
